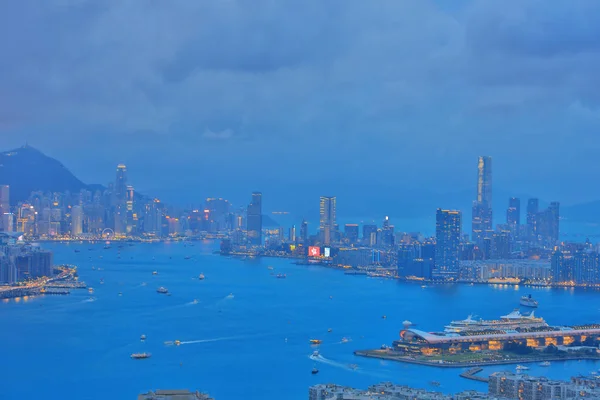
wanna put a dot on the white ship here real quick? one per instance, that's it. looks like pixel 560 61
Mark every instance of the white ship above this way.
pixel 529 301
pixel 508 322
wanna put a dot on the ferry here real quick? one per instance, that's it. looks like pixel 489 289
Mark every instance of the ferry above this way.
pixel 162 290
pixel 508 322
pixel 529 301
pixel 201 277
pixel 315 341
pixel 139 356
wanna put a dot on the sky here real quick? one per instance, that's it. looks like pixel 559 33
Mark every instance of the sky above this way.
pixel 381 99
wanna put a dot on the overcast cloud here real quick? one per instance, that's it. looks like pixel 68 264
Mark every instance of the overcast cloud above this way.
pixel 232 95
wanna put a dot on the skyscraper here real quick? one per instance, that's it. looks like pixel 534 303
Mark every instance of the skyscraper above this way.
pixel 76 221
pixel 121 199
pixel 327 217
pixel 482 206
pixel 513 215
pixel 447 248
pixel 532 211
pixel 304 232
pixel 4 204
pixel 351 233
pixel 254 219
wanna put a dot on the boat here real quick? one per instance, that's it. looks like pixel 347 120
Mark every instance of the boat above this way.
pixel 91 290
pixel 93 268
pixel 522 368
pixel 154 272
pixel 177 342
pixel 139 356
pixel 162 290
pixel 383 316
pixel 120 293
pixel 528 301
pixel 353 366
pixel 315 353
pixel 280 276
pixel 345 340
pixel 187 257
pixel 229 296
pixel 201 277
pixel 315 341
pixel 143 337
pixel 329 330
pixel 434 383
pixel 106 247
pixel 101 281
pixel 545 364
pixel 508 322
pixel 195 301
pixel 314 371
pixel 77 251
pixel 270 267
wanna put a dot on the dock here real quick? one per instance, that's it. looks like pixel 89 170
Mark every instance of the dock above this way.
pixel 472 375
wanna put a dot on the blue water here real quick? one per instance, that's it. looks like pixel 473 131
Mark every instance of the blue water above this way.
pixel 69 347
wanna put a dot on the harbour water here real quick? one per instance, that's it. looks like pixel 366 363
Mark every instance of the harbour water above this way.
pixel 253 344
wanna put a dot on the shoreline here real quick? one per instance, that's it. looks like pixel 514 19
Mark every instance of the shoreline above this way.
pixel 385 356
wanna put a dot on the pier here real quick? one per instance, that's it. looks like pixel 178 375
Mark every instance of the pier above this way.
pixel 472 374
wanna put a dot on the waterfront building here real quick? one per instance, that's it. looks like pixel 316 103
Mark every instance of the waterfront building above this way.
pixel 447 248
pixel 482 207
pixel 507 385
pixel 254 220
pixel 385 391
pixel 485 270
pixel 174 395
pixel 76 221
pixel 514 329
pixel 327 218
pixel 354 257
pixel 351 233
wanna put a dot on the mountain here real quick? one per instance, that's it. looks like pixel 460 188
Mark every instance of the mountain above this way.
pixel 27 170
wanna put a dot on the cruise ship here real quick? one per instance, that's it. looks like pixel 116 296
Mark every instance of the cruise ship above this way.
pixel 508 322
pixel 528 301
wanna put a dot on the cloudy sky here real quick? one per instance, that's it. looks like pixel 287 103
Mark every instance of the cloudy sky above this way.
pixel 220 97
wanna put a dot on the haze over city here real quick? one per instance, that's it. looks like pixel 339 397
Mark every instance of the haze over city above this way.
pixel 386 105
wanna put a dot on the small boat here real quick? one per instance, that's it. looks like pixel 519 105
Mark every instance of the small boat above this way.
pixel 528 301
pixel 162 290
pixel 120 293
pixel 280 276
pixel 201 277
pixel 101 281
pixel 329 330
pixel 270 267
pixel 383 317
pixel 187 257
pixel 139 356
pixel 314 371
pixel 195 301
pixel 315 341
pixel 177 342
pixel 345 340
pixel 77 251
pixel 315 353
pixel 229 296
pixel 91 290
pixel 93 268
pixel 143 337
pixel 545 364
pixel 154 272
pixel 522 368
pixel 106 247
pixel 353 366
pixel 330 297
pixel 434 383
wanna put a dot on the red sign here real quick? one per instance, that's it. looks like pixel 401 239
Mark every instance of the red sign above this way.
pixel 314 251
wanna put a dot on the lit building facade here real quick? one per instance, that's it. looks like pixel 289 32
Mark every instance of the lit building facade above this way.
pixel 254 220
pixel 481 222
pixel 447 248
pixel 327 206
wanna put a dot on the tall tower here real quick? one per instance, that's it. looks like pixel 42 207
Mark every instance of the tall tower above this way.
pixel 76 221
pixel 513 215
pixel 533 207
pixel 481 221
pixel 4 205
pixel 121 199
pixel 447 247
pixel 327 217
pixel 254 220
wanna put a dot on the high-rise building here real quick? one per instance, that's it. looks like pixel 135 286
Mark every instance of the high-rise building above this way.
pixel 292 234
pixel 327 217
pixel 304 232
pixel 553 222
pixel 254 220
pixel 370 235
pixel 557 266
pixel 481 222
pixel 129 206
pixel 351 233
pixel 447 248
pixel 76 221
pixel 4 204
pixel 532 211
pixel 513 215
pixel 120 198
pixel 387 233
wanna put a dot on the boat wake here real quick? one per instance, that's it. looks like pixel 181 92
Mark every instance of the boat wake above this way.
pixel 90 300
pixel 181 343
pixel 327 361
